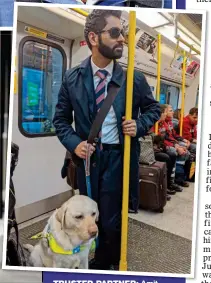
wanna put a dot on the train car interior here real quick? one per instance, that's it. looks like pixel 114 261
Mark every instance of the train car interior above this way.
pixel 49 41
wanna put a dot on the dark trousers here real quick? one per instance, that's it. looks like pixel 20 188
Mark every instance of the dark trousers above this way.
pixel 170 160
pixel 109 202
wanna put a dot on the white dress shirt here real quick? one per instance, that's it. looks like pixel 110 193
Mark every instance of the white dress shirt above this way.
pixel 110 133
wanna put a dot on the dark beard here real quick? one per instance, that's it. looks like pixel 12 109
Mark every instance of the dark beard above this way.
pixel 110 53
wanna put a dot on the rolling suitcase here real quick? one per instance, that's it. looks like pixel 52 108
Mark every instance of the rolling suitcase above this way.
pixel 153 186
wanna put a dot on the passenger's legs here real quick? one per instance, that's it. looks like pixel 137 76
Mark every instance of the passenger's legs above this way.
pixel 181 174
pixel 192 147
pixel 171 152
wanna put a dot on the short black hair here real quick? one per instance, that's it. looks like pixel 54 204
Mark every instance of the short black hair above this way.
pixel 96 21
pixel 193 111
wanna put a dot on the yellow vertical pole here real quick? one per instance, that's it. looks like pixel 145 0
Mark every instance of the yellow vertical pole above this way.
pixel 183 92
pixel 158 76
pixel 128 115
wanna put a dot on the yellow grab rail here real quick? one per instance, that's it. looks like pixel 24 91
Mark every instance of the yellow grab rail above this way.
pixel 158 76
pixel 188 45
pixel 183 91
pixel 128 115
pixel 80 11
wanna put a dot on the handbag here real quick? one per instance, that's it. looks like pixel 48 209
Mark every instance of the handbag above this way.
pixel 147 155
pixel 69 169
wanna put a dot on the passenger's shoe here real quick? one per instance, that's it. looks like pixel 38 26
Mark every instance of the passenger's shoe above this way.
pixel 171 191
pixel 183 184
pixel 96 265
pixel 168 198
pixel 132 211
pixel 176 187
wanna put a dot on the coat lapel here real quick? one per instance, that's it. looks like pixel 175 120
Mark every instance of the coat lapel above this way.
pixel 119 78
pixel 87 79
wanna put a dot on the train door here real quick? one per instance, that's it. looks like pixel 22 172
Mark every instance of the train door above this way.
pixel 41 64
pixel 173 96
pixel 197 97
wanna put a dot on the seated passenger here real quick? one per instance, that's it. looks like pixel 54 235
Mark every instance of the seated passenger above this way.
pixel 164 155
pixel 178 144
pixel 189 130
pixel 176 119
pixel 172 133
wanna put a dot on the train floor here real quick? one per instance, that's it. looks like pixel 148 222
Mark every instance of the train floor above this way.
pixel 157 243
pixel 177 217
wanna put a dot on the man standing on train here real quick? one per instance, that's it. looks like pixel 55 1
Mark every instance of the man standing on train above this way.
pixel 83 90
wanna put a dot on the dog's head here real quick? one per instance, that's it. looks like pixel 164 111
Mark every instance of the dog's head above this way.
pixel 78 217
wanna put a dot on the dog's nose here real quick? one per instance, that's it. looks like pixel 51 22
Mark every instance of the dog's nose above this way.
pixel 93 231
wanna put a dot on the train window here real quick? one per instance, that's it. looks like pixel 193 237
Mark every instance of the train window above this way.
pixel 173 95
pixel 41 68
pixel 169 94
pixel 163 93
pixel 162 98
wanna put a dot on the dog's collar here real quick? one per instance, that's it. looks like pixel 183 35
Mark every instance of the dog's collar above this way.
pixel 57 249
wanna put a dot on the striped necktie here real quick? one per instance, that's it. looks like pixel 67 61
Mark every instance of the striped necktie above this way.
pixel 100 94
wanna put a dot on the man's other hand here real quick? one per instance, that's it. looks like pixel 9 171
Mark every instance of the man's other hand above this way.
pixel 129 127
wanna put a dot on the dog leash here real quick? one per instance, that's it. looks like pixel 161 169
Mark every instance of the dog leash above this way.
pixel 87 171
pixel 95 129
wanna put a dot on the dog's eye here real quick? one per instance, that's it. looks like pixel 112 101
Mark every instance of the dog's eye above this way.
pixel 79 216
pixel 93 214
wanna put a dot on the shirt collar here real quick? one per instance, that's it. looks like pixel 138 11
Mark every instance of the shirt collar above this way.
pixel 108 68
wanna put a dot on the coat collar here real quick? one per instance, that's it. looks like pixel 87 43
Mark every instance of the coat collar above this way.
pixel 117 77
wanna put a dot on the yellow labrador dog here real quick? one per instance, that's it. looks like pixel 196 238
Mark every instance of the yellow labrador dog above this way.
pixel 68 236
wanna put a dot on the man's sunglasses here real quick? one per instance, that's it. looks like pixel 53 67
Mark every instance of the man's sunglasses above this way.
pixel 114 32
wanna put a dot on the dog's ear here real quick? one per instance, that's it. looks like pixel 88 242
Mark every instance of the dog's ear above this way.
pixel 60 215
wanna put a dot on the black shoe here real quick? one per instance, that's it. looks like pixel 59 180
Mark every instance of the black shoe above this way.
pixel 171 191
pixel 182 183
pixel 96 265
pixel 114 267
pixel 168 198
pixel 176 188
pixel 185 184
pixel 132 211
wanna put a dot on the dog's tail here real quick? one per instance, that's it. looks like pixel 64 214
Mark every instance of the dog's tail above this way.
pixel 28 247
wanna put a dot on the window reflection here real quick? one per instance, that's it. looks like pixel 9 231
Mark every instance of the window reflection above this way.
pixel 42 70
